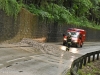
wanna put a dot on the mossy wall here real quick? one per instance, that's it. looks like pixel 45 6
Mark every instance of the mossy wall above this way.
pixel 28 25
pixel 15 29
pixel 8 26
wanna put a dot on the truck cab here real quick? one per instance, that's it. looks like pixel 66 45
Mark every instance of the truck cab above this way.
pixel 77 37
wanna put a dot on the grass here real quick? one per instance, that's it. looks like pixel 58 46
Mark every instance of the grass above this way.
pixel 92 68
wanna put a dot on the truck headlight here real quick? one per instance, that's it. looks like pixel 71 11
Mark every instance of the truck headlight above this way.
pixel 75 40
pixel 65 39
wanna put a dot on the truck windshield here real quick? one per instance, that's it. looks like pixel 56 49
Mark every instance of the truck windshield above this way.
pixel 74 34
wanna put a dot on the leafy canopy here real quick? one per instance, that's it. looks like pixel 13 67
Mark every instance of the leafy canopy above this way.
pixel 11 7
pixel 77 12
pixel 52 12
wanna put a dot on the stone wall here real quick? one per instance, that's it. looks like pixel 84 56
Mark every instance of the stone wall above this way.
pixel 54 33
pixel 28 25
pixel 8 26
pixel 15 29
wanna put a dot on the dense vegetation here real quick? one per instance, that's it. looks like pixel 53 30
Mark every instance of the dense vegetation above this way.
pixel 11 7
pixel 77 12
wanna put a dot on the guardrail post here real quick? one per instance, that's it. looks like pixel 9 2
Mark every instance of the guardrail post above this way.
pixel 97 56
pixel 81 62
pixel 89 59
pixel 93 57
pixel 77 65
pixel 84 61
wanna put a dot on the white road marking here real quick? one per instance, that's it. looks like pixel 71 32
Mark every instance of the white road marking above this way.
pixel 15 59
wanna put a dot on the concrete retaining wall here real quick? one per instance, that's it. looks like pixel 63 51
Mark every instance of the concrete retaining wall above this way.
pixel 27 25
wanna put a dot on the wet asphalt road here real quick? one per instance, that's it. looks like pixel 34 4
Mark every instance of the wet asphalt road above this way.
pixel 23 60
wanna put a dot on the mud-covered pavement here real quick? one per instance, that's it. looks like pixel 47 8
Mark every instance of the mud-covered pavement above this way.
pixel 29 57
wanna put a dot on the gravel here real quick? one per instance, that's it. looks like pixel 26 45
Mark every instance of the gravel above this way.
pixel 41 46
pixel 36 46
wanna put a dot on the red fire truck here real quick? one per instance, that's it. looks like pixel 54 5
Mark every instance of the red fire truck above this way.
pixel 77 37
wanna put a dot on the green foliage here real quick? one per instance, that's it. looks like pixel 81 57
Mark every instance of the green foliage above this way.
pixel 11 7
pixel 38 11
pixel 77 12
pixel 81 7
pixel 52 12
pixel 59 12
pixel 95 9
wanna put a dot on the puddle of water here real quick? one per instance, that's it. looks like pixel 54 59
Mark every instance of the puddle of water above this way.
pixel 63 48
pixel 74 50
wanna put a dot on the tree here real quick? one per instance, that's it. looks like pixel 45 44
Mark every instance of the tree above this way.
pixel 11 7
pixel 94 11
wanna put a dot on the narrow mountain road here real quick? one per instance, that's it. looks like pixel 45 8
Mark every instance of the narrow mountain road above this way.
pixel 29 57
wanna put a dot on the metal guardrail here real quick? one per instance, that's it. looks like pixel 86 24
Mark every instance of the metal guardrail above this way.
pixel 82 61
